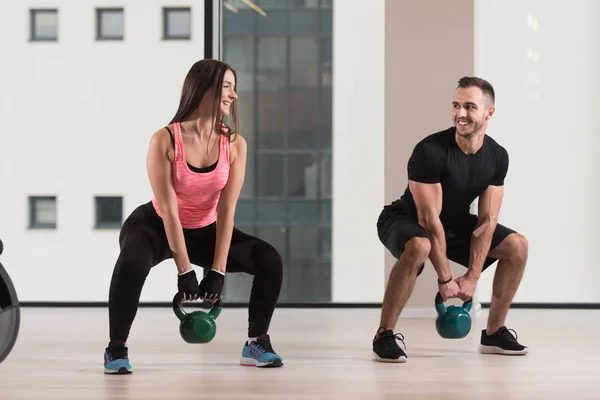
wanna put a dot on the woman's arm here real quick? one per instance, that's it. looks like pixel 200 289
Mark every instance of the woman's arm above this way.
pixel 228 202
pixel 159 167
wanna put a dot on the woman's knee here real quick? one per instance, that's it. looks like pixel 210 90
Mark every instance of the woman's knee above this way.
pixel 267 259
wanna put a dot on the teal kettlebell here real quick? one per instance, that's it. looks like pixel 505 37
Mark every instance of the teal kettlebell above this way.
pixel 452 322
pixel 197 326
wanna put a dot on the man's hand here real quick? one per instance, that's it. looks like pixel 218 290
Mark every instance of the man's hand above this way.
pixel 448 290
pixel 466 285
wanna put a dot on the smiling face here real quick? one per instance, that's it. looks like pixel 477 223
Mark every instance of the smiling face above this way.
pixel 228 94
pixel 471 110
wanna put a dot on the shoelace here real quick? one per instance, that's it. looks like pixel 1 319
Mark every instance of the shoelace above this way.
pixel 266 346
pixel 506 333
pixel 117 352
pixel 397 336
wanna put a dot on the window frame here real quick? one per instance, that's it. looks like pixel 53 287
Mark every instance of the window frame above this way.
pixel 32 25
pixel 98 224
pixel 165 20
pixel 99 12
pixel 33 224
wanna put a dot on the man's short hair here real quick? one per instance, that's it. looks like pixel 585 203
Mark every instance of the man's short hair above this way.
pixel 485 86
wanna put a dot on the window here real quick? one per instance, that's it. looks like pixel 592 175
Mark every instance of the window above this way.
pixel 177 23
pixel 42 212
pixel 285 87
pixel 44 24
pixel 109 24
pixel 109 212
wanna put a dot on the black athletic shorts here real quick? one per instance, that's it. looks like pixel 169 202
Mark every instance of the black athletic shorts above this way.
pixel 396 227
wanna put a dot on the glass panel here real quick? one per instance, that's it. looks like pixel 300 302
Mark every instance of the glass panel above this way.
pixel 271 4
pixel 325 245
pixel 240 23
pixel 326 131
pixel 109 211
pixel 303 213
pixel 271 115
pixel 274 235
pixel 326 212
pixel 311 280
pixel 270 175
pixel 326 23
pixel 275 24
pixel 271 97
pixel 285 99
pixel 303 176
pixel 326 63
pixel 325 176
pixel 178 23
pixel 304 53
pixel 244 213
pixel 249 186
pixel 304 23
pixel 303 118
pixel 45 211
pixel 270 213
pixel 271 62
pixel 111 24
pixel 311 3
pixel 45 24
pixel 239 53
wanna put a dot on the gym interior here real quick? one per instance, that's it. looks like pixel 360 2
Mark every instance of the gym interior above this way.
pixel 333 97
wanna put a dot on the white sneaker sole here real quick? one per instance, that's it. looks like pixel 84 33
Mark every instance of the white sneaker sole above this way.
pixel 120 371
pixel 251 362
pixel 401 359
pixel 497 350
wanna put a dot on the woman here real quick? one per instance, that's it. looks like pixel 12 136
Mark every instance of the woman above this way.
pixel 196 168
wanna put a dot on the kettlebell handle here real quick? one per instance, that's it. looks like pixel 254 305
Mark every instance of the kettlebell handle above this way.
pixel 441 307
pixel 180 312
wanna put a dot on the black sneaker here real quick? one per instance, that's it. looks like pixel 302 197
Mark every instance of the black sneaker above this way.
pixel 385 348
pixel 501 342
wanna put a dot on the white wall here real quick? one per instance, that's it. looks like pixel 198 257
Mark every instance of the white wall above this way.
pixel 543 59
pixel 409 86
pixel 76 117
pixel 358 150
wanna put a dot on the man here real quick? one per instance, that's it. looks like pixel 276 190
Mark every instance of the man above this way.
pixel 447 171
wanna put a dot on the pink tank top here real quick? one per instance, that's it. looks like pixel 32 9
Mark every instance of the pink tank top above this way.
pixel 197 193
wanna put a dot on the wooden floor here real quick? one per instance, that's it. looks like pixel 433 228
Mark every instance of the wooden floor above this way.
pixel 326 352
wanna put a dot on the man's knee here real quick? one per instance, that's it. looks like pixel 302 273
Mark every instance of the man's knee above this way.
pixel 521 245
pixel 418 249
pixel 515 246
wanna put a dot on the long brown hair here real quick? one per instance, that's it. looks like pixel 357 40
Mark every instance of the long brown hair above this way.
pixel 202 77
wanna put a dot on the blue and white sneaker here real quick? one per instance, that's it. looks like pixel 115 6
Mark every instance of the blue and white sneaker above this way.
pixel 116 361
pixel 260 353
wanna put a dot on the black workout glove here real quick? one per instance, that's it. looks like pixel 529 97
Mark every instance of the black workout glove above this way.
pixel 187 283
pixel 211 286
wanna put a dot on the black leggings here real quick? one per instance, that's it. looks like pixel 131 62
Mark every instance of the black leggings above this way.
pixel 144 244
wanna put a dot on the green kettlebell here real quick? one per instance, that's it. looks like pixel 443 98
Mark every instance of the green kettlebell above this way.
pixel 452 322
pixel 197 326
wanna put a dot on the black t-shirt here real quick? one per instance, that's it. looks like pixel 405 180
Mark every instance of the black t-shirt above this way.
pixel 464 177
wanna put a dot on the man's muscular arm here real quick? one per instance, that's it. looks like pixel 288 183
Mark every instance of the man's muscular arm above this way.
pixel 428 199
pixel 489 208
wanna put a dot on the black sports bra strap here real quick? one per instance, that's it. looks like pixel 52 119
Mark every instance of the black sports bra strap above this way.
pixel 171 134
